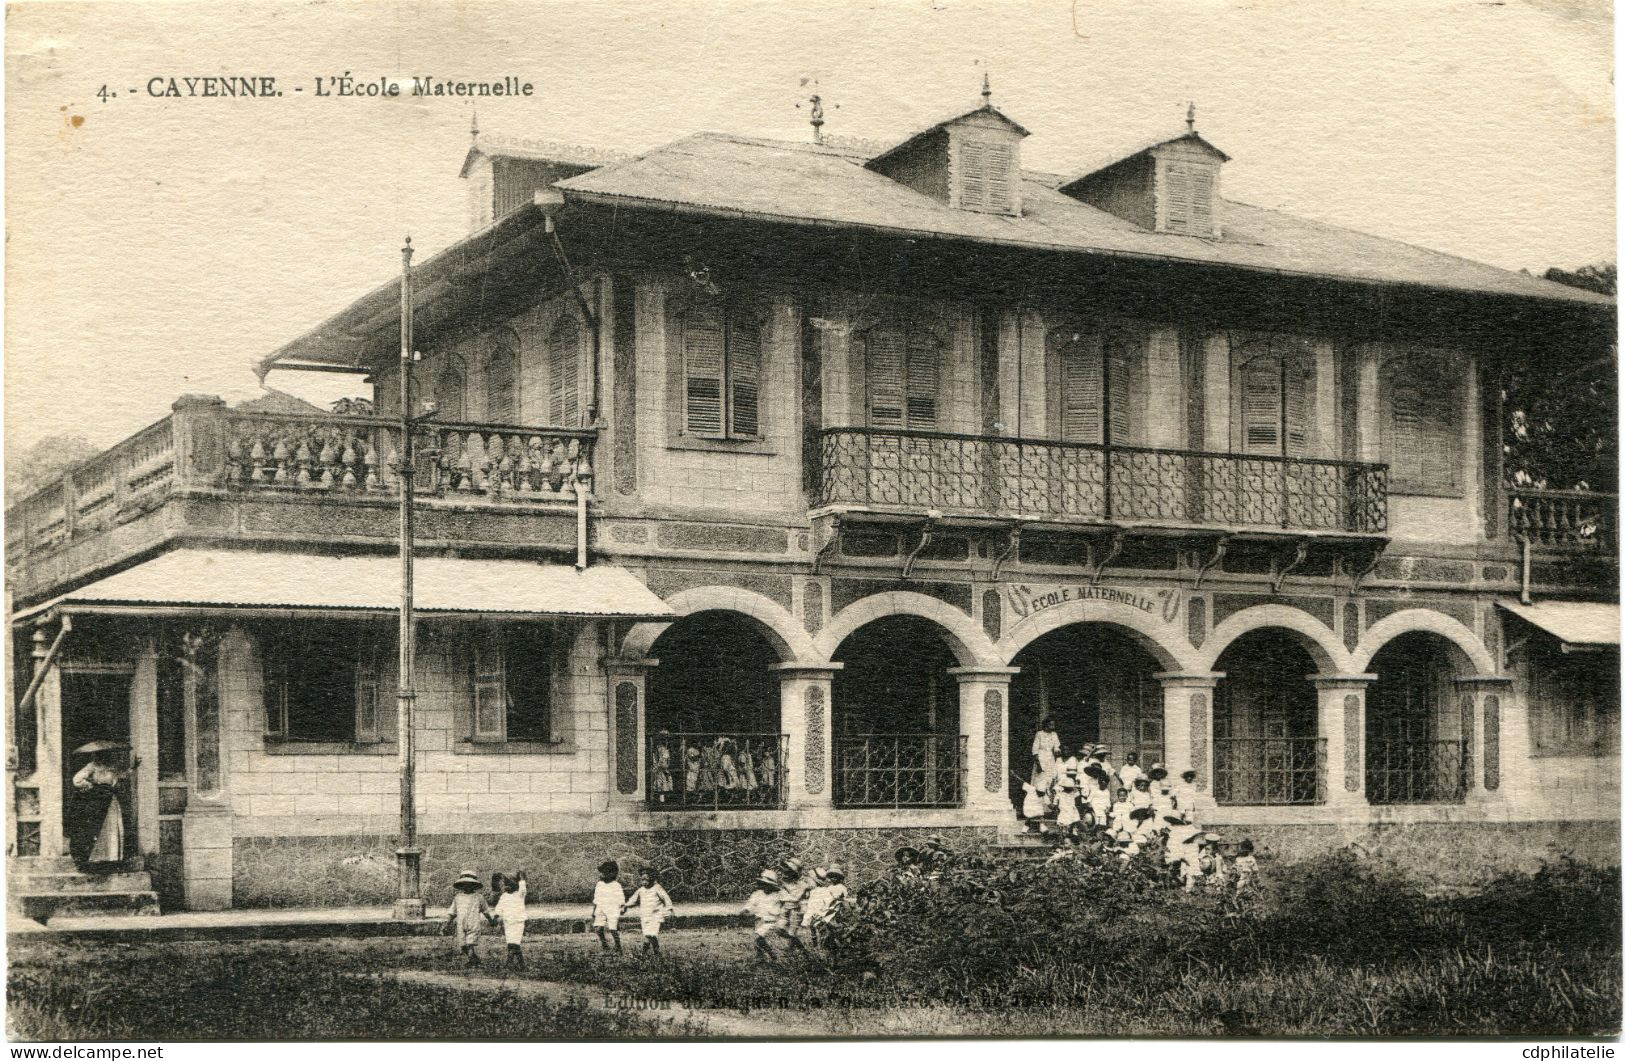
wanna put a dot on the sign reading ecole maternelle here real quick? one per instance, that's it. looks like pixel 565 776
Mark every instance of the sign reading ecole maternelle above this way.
pixel 1028 600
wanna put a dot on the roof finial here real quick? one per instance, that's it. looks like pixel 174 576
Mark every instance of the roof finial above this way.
pixel 817 118
pixel 987 90
pixel 1190 117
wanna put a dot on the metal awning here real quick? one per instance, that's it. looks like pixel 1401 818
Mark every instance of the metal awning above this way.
pixel 1581 626
pixel 220 580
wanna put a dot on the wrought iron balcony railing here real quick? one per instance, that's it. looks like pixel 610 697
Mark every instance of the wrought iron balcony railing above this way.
pixel 1565 519
pixel 1415 771
pixel 1041 479
pixel 900 770
pixel 1269 771
pixel 716 771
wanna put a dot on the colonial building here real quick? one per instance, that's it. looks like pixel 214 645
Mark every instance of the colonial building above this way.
pixel 776 490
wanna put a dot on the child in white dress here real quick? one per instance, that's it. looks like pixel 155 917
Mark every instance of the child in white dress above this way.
pixel 766 906
pixel 510 910
pixel 654 907
pixel 608 897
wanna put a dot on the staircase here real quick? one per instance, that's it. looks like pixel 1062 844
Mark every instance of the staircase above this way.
pixel 1018 841
pixel 43 888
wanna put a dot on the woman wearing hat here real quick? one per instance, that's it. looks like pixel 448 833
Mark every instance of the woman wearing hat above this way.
pixel 100 811
pixel 469 915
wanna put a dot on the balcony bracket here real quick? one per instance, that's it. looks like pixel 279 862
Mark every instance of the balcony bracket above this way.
pixel 1105 562
pixel 1220 545
pixel 1300 552
pixel 1011 547
pixel 832 538
pixel 925 539
pixel 1371 565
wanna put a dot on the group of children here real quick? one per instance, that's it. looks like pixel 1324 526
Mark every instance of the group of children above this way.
pixel 722 768
pixel 1133 809
pixel 471 911
pixel 789 899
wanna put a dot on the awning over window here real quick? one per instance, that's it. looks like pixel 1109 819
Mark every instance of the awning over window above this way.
pixel 187 580
pixel 1581 626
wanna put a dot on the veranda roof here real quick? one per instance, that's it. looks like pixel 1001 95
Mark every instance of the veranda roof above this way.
pixel 220 579
pixel 1580 625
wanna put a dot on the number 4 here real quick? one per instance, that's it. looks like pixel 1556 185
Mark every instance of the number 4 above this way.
pixel 103 95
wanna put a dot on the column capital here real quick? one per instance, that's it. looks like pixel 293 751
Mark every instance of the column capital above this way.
pixel 1195 679
pixel 797 669
pixel 999 675
pixel 1486 682
pixel 1341 681
pixel 631 665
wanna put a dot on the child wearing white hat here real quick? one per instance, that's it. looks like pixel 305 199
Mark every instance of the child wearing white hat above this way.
pixel 766 906
pixel 607 899
pixel 654 906
pixel 1033 802
pixel 469 915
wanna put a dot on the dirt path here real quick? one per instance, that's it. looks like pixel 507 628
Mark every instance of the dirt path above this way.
pixel 684 1020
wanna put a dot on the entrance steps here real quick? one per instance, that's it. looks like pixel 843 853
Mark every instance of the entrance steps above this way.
pixel 1017 841
pixel 43 888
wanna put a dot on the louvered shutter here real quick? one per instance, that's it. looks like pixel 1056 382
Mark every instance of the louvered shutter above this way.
pixel 703 370
pixel 1201 201
pixel 884 349
pixel 1261 406
pixel 449 392
pixel 563 379
pixel 1177 187
pixel 922 380
pixel 1080 390
pixel 973 166
pixel 744 376
pixel 999 193
pixel 489 691
pixel 1422 430
pixel 367 681
pixel 1116 364
pixel 1300 390
pixel 501 383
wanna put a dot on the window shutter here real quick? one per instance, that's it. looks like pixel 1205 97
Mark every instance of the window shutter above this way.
pixel 884 348
pixel 973 173
pixel 501 383
pixel 274 669
pixel 1117 366
pixel 449 392
pixel 922 380
pixel 367 681
pixel 999 196
pixel 1177 186
pixel 1300 390
pixel 744 376
pixel 1201 201
pixel 702 368
pixel 1422 444
pixel 1261 405
pixel 490 687
pixel 563 368
pixel 1080 390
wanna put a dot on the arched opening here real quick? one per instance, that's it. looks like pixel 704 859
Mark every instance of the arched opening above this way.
pixel 1267 745
pixel 1418 733
pixel 1098 685
pixel 896 717
pixel 713 716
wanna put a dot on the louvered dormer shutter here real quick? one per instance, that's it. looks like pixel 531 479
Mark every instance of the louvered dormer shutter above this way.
pixel 703 370
pixel 973 172
pixel 999 193
pixel 1188 198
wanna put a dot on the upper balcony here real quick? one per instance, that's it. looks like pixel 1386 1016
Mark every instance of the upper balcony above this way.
pixel 1045 481
pixel 211 471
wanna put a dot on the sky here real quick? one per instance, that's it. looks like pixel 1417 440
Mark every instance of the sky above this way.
pixel 158 247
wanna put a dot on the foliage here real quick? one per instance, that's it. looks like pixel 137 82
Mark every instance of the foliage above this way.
pixel 353 406
pixel 43 463
pixel 1602 278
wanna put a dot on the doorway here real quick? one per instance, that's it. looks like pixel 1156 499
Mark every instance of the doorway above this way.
pixel 95 706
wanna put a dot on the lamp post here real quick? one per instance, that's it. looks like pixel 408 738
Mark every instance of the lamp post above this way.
pixel 409 903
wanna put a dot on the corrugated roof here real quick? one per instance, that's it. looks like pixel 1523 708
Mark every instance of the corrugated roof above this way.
pixel 1577 624
pixel 220 578
pixel 730 175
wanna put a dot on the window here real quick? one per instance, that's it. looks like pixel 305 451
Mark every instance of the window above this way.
pixel 450 393
pixel 1422 426
pixel 1093 388
pixel 512 683
pixel 1188 194
pixel 902 366
pixel 722 370
pixel 502 378
pixel 985 176
pixel 1574 701
pixel 564 373
pixel 1275 386
pixel 324 683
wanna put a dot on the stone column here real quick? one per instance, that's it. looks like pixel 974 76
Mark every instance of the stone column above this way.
pixel 1483 702
pixel 984 722
pixel 1187 727
pixel 144 746
pixel 806 702
pixel 628 741
pixel 53 837
pixel 1341 722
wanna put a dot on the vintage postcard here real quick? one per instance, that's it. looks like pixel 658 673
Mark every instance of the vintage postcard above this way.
pixel 819 520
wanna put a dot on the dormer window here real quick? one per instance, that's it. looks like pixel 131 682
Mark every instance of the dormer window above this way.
pixel 972 162
pixel 986 175
pixel 1188 198
pixel 1171 186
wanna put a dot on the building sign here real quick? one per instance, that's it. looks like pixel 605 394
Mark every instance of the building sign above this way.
pixel 1027 599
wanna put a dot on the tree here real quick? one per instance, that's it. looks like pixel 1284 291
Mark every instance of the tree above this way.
pixel 1562 425
pixel 43 463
